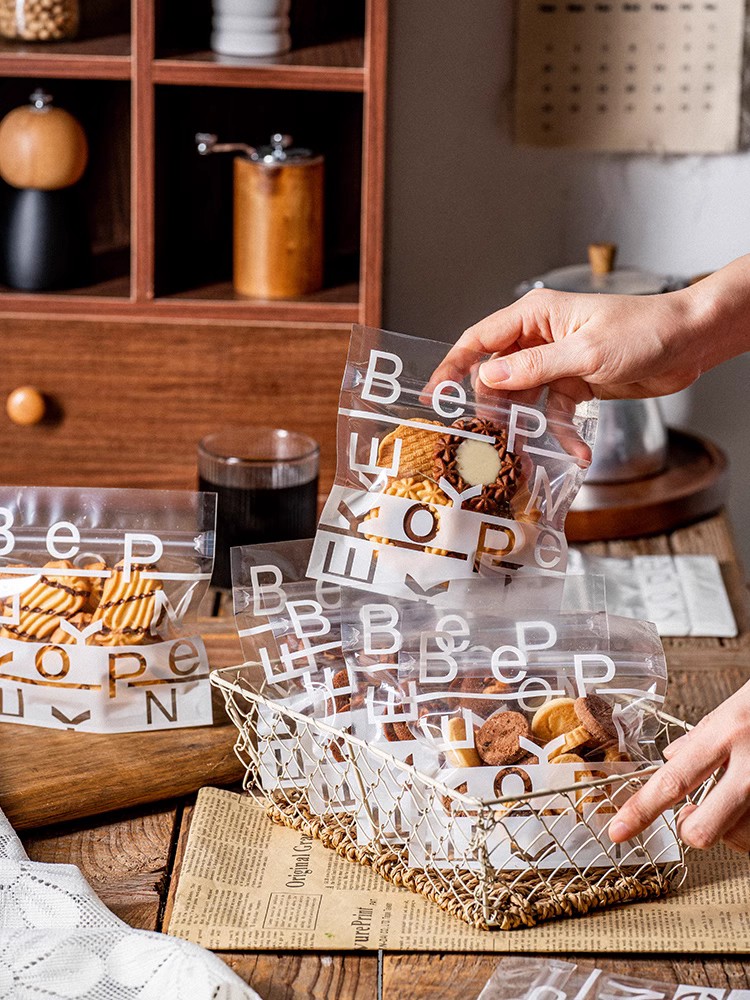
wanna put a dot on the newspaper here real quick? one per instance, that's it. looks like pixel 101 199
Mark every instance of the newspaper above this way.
pixel 248 884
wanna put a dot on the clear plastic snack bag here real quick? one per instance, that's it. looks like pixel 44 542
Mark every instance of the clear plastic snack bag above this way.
pixel 438 482
pixel 99 590
pixel 504 707
pixel 549 979
pixel 289 628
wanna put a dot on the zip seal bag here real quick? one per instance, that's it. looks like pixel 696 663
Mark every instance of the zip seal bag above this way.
pixel 504 708
pixel 521 978
pixel 438 486
pixel 99 593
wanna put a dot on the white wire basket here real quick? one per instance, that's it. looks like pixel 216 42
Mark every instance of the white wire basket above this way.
pixel 502 863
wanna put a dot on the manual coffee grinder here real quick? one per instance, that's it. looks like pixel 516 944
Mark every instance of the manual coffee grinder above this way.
pixel 44 242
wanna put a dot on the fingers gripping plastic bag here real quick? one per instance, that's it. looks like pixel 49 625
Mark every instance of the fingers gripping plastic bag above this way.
pixel 501 708
pixel 440 479
pixel 550 979
pixel 98 593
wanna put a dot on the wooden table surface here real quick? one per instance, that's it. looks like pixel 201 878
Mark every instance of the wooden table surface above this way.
pixel 131 858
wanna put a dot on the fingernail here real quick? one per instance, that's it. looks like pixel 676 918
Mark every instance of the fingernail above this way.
pixel 497 370
pixel 618 831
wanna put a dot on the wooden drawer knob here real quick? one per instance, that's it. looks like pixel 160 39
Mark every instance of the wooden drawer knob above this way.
pixel 25 406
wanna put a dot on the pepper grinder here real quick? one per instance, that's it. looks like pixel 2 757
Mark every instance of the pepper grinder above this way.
pixel 44 243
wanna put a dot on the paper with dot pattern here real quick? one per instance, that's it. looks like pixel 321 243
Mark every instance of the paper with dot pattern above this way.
pixel 630 76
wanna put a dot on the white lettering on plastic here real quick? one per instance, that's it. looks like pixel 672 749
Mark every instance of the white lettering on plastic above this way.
pixel 524 631
pixel 132 539
pixel 388 380
pixel 508 656
pixel 584 680
pixel 262 589
pixel 441 657
pixel 380 620
pixel 66 532
pixel 308 624
pixel 440 395
pixel 5 533
pixel 371 466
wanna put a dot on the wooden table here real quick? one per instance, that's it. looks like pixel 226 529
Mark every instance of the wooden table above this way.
pixel 132 859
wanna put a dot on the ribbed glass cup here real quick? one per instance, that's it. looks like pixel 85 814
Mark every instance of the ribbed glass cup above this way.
pixel 266 481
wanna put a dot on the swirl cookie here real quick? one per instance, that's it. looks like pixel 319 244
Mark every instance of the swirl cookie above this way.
pixel 416 454
pixel 422 491
pixel 126 608
pixel 466 462
pixel 497 742
pixel 47 601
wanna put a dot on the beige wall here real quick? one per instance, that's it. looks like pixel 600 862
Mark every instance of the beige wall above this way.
pixel 469 215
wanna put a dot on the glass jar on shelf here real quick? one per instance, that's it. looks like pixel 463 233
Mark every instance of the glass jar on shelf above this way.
pixel 39 20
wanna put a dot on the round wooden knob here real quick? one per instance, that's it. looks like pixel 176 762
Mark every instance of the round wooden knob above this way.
pixel 25 406
pixel 602 257
pixel 42 147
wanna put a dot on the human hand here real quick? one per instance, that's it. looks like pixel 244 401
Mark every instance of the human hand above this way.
pixel 721 739
pixel 610 346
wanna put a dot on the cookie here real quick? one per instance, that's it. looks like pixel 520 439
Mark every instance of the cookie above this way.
pixel 47 601
pixel 497 742
pixel 61 638
pixel 397 732
pixel 574 740
pixel 613 754
pixel 519 507
pixel 449 803
pixel 343 702
pixel 422 491
pixel 417 450
pixel 127 607
pixel 479 686
pixel 567 758
pixel 596 715
pixel 460 756
pixel 96 583
pixel 466 462
pixel 553 719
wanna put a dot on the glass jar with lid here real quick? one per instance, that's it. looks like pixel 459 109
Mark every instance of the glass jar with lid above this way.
pixel 39 20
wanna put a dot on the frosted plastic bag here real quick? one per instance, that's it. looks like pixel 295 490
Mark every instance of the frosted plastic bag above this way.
pixel 504 707
pixel 100 590
pixel 433 488
pixel 550 979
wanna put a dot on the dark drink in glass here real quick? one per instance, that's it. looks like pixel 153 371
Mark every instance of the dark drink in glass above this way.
pixel 266 481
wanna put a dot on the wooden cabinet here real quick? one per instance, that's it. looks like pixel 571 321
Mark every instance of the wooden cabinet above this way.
pixel 159 349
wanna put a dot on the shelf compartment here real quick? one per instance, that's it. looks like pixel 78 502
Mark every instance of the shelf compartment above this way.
pixel 337 304
pixel 101 58
pixel 334 66
pixel 194 194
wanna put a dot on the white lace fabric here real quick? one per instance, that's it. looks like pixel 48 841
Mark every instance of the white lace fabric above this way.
pixel 58 941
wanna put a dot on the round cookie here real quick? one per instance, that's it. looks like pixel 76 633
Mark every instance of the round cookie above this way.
pixel 417 450
pixel 466 462
pixel 479 686
pixel 553 719
pixel 567 758
pixel 574 740
pixel 596 715
pixel 497 742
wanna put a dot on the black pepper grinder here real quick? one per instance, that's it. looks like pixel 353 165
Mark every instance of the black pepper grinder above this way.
pixel 44 243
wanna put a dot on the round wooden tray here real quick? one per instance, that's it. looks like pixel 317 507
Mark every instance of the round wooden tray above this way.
pixel 693 485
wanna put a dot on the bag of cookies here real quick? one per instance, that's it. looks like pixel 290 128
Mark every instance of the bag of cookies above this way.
pixel 506 706
pixel 435 486
pixel 289 629
pixel 99 593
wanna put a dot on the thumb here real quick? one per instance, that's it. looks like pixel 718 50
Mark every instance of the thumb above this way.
pixel 532 367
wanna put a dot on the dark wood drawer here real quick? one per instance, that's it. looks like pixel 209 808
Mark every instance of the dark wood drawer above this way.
pixel 130 401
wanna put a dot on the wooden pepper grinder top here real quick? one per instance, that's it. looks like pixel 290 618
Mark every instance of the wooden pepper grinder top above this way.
pixel 43 237
pixel 602 257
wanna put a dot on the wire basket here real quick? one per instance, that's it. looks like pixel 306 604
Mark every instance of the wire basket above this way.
pixel 502 863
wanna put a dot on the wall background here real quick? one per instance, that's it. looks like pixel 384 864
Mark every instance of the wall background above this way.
pixel 468 215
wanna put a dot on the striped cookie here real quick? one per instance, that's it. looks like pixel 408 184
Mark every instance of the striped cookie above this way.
pixel 126 608
pixel 47 601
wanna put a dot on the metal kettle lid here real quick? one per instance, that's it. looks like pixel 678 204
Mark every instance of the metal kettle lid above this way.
pixel 600 276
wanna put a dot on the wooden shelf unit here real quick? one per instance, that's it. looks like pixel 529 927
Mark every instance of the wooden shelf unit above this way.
pixel 341 78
